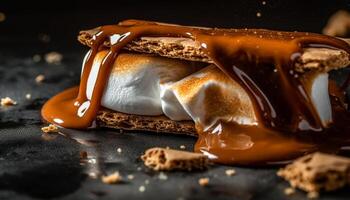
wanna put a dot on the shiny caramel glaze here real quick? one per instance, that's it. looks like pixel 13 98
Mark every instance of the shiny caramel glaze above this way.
pixel 261 61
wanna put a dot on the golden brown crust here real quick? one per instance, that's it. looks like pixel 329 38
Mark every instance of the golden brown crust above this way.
pixel 161 159
pixel 322 59
pixel 117 120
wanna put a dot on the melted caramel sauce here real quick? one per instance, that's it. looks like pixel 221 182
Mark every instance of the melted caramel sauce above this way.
pixel 288 126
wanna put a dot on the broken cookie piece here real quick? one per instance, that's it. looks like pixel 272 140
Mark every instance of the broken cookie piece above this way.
pixel 50 129
pixel 112 178
pixel 318 171
pixel 7 101
pixel 338 24
pixel 168 159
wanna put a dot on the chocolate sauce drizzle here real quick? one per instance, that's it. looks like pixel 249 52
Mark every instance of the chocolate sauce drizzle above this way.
pixel 261 61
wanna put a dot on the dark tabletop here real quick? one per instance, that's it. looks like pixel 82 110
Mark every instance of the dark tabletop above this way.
pixel 34 165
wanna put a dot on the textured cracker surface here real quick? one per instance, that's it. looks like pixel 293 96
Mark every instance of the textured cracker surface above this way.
pixel 161 159
pixel 322 59
pixel 118 120
pixel 318 171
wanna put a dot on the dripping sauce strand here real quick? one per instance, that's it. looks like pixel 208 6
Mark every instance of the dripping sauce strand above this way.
pixel 288 124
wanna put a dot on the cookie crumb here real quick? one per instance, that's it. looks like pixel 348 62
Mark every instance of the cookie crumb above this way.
pixel 161 159
pixel 142 188
pixel 182 147
pixel 131 177
pixel 119 150
pixel 50 129
pixel 45 38
pixel 2 17
pixel 112 178
pixel 28 96
pixel 230 172
pixel 36 58
pixel 203 181
pixel 53 57
pixel 162 176
pixel 289 191
pixel 7 101
pixel 313 195
pixel 40 78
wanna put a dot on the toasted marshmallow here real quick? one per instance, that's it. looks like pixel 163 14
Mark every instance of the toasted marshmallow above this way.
pixel 133 86
pixel 207 96
pixel 316 86
pixel 150 85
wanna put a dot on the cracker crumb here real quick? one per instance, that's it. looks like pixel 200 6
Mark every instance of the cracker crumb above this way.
pixel 53 57
pixel 142 188
pixel 162 176
pixel 2 17
pixel 7 101
pixel 44 37
pixel 40 78
pixel 182 147
pixel 119 150
pixel 131 177
pixel 50 129
pixel 83 155
pixel 230 172
pixel 28 96
pixel 313 195
pixel 203 181
pixel 36 58
pixel 112 178
pixel 289 191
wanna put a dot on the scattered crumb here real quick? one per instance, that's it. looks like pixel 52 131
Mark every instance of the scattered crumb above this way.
pixel 230 172
pixel 289 191
pixel 40 78
pixel 2 17
pixel 162 176
pixel 50 129
pixel 7 101
pixel 44 37
pixel 131 177
pixel 203 181
pixel 48 136
pixel 139 168
pixel 146 181
pixel 53 57
pixel 142 188
pixel 167 147
pixel 93 175
pixel 263 2
pixel 182 147
pixel 36 58
pixel 313 195
pixel 119 150
pixel 338 24
pixel 83 155
pixel 112 178
pixel 258 14
pixel 28 96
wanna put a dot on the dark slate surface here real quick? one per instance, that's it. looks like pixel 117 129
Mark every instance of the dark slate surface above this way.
pixel 33 166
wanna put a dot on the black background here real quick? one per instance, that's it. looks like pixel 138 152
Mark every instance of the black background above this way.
pixel 62 20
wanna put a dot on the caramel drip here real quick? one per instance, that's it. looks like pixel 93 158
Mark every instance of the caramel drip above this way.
pixel 250 57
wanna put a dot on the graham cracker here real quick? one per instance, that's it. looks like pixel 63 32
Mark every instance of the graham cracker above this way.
pixel 322 59
pixel 117 120
pixel 161 159
pixel 318 171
